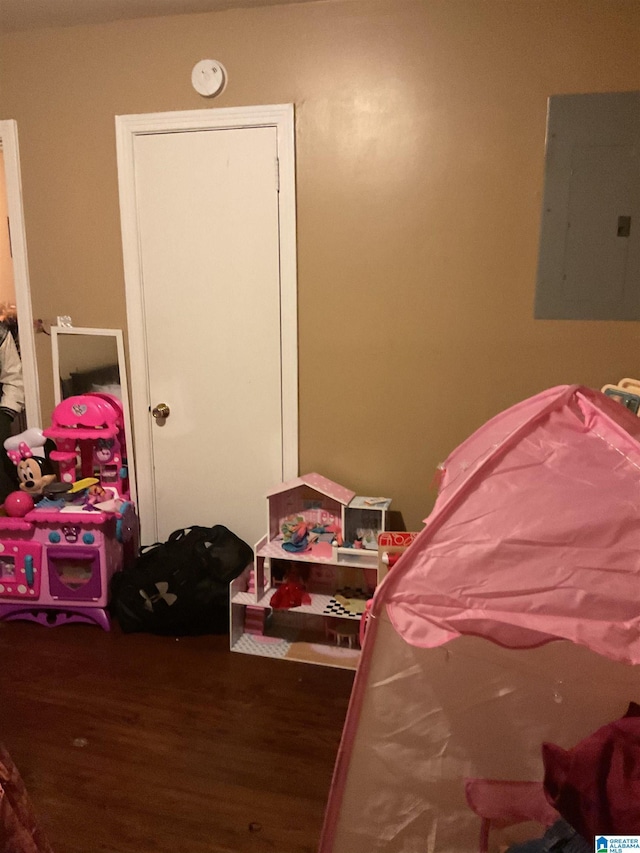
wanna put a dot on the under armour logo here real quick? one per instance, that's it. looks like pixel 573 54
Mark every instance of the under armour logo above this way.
pixel 162 595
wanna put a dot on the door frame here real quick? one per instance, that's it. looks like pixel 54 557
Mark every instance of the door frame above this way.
pixel 281 117
pixel 9 144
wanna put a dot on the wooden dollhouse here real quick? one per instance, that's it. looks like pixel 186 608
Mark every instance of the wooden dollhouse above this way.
pixel 313 573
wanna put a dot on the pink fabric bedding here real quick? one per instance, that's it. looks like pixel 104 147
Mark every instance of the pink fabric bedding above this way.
pixel 19 830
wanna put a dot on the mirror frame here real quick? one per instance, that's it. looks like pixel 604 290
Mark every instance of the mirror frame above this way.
pixel 124 386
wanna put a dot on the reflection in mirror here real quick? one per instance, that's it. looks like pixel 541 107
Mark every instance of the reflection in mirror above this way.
pixel 88 363
pixel 92 360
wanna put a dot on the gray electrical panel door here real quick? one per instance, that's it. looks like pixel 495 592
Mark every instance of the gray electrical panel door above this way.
pixel 589 258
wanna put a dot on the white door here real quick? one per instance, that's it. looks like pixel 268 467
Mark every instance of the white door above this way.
pixel 211 316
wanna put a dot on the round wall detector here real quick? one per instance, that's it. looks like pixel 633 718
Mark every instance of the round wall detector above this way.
pixel 209 77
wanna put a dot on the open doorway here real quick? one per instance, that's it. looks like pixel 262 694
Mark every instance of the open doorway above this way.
pixel 8 309
pixel 15 293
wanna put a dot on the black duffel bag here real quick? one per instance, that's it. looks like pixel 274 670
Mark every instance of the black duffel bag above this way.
pixel 181 586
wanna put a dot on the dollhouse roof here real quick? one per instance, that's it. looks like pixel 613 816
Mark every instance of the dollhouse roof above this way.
pixel 320 484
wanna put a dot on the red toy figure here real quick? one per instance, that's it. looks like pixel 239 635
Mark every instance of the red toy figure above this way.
pixel 290 593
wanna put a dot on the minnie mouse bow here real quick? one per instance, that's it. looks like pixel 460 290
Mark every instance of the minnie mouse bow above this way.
pixel 23 452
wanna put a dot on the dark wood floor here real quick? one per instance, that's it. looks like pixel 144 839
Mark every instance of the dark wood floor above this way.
pixel 143 744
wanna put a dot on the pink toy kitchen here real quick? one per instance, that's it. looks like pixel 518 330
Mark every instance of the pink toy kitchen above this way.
pixel 72 523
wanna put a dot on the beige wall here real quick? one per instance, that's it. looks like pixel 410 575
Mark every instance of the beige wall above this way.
pixel 420 154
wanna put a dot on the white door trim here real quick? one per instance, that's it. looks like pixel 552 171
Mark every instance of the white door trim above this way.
pixel 127 128
pixel 9 139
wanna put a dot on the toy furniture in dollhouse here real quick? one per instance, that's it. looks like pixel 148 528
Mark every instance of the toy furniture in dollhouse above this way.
pixel 313 572
pixel 56 560
pixel 342 631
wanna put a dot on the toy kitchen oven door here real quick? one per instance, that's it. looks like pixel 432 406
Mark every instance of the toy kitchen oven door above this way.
pixel 60 549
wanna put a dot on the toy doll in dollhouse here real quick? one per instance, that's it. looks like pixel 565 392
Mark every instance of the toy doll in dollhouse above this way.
pixel 65 533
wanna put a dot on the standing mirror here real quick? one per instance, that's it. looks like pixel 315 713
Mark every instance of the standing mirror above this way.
pixel 86 360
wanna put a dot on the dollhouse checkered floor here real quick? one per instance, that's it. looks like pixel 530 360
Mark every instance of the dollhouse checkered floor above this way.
pixel 334 608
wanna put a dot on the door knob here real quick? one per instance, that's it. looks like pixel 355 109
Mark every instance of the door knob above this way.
pixel 161 411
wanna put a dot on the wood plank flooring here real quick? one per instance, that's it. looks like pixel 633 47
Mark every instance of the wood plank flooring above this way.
pixel 144 744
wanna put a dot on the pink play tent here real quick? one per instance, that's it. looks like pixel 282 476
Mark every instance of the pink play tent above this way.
pixel 512 620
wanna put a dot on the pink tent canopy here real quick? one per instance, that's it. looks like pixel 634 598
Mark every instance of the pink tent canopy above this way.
pixel 535 534
pixel 534 537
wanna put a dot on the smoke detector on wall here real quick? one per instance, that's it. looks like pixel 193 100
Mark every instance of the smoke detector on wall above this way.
pixel 209 77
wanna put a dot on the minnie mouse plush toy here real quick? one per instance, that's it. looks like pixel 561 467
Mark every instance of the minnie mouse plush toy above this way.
pixel 30 453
